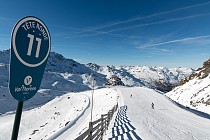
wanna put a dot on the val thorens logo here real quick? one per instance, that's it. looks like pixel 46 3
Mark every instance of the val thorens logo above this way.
pixel 27 87
pixel 28 80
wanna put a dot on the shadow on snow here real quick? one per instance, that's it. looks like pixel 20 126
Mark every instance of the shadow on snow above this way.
pixel 123 127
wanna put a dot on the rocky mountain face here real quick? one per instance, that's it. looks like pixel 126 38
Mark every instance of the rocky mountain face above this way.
pixel 200 73
pixel 194 91
pixel 114 81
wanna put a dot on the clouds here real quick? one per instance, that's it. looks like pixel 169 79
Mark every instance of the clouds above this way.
pixel 166 46
pixel 132 32
pixel 120 28
pixel 6 19
pixel 183 40
pixel 153 45
pixel 97 29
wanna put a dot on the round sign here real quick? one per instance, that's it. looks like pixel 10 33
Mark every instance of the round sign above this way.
pixel 31 41
pixel 30 48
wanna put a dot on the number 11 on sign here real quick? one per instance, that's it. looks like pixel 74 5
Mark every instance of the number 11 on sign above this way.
pixel 31 44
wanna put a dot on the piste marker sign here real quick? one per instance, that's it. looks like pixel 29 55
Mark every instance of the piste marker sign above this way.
pixel 30 48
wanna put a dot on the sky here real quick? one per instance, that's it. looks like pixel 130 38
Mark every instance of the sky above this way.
pixel 169 33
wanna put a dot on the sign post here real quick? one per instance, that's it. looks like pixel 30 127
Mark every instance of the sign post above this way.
pixel 17 120
pixel 30 48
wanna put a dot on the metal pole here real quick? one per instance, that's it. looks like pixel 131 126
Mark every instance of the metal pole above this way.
pixel 92 102
pixel 17 120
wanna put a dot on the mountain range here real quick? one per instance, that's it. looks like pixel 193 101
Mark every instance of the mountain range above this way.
pixel 63 74
pixel 160 78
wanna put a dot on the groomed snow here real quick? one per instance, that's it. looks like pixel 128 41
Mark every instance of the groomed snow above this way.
pixel 52 119
pixel 136 118
pixel 166 122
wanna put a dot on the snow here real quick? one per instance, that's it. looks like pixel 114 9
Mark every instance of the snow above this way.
pixel 61 108
pixel 43 121
pixel 61 75
pixel 57 116
pixel 167 121
pixel 64 75
pixel 193 94
pixel 165 75
pixel 144 75
pixel 68 115
pixel 104 100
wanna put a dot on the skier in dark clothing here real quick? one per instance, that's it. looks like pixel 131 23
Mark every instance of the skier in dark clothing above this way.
pixel 131 95
pixel 153 106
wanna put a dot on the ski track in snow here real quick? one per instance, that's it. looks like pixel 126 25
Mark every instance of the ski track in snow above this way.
pixel 44 121
pixel 64 117
pixel 135 119
pixel 166 122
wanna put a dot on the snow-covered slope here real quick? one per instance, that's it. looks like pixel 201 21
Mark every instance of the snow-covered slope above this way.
pixel 67 116
pixel 58 115
pixel 61 75
pixel 167 121
pixel 195 91
pixel 76 75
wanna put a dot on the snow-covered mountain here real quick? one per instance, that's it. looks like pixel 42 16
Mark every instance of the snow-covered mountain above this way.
pixel 60 108
pixel 78 76
pixel 61 75
pixel 127 78
pixel 194 91
pixel 161 78
pixel 66 75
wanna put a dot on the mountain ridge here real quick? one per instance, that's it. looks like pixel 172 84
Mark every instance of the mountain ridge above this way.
pixel 194 91
pixel 64 75
pixel 160 78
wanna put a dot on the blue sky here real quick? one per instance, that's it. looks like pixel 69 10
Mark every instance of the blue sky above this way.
pixel 169 33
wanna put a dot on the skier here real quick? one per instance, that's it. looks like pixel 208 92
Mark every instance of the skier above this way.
pixel 153 106
pixel 131 95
